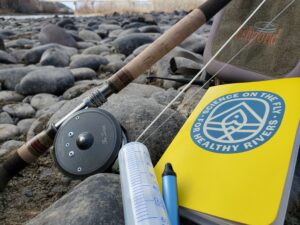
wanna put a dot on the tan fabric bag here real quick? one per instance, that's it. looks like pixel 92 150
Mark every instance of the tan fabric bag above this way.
pixel 275 51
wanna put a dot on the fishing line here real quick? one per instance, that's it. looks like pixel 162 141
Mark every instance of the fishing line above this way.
pixel 200 72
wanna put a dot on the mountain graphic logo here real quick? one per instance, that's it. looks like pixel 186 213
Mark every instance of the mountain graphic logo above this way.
pixel 238 122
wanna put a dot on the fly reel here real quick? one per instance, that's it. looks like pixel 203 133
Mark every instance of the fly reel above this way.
pixel 88 143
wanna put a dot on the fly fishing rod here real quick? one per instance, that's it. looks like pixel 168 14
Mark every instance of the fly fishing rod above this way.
pixel 62 131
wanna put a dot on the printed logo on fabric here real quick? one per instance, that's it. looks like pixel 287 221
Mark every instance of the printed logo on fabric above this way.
pixel 263 32
pixel 238 122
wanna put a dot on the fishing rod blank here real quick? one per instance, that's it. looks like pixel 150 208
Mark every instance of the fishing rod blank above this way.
pixel 39 144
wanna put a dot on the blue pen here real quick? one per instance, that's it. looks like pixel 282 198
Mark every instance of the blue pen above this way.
pixel 169 189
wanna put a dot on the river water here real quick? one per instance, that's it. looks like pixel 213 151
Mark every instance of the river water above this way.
pixel 33 16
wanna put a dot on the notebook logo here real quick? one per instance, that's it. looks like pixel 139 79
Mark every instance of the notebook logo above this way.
pixel 238 122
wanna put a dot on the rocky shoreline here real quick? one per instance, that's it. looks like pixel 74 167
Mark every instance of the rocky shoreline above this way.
pixel 48 65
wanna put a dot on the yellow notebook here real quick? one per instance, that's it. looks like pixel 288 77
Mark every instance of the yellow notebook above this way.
pixel 232 156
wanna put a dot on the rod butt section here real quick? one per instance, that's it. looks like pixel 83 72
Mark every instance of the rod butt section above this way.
pixel 11 167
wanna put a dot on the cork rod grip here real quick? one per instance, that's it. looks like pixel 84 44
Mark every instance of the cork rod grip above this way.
pixel 26 154
pixel 164 44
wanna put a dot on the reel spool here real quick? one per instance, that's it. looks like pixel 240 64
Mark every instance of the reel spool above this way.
pixel 88 143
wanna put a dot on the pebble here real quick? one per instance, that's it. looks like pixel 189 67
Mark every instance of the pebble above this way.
pixel 50 110
pixel 79 89
pixel 55 34
pixel 89 35
pixel 19 110
pixel 89 61
pixel 83 74
pixel 27 192
pixel 53 81
pixel 55 57
pixel 9 146
pixel 24 125
pixel 6 58
pixel 10 77
pixel 7 97
pixel 127 44
pixel 20 43
pixel 96 50
pixel 97 200
pixel 8 131
pixel 5 118
pixel 34 55
pixel 43 100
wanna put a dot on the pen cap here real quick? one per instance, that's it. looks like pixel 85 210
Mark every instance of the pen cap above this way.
pixel 168 170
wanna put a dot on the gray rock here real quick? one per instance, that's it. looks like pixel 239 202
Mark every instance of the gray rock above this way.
pixel 150 29
pixel 191 99
pixel 65 22
pixel 9 146
pixel 54 34
pixel 19 110
pixel 43 100
pixel 54 81
pixel 2 46
pixel 97 200
pixel 11 77
pixel 20 43
pixel 8 131
pixel 115 33
pixel 84 45
pixel 6 33
pixel 27 192
pixel 165 97
pixel 7 58
pixel 45 173
pixel 112 67
pixel 34 55
pixel 96 50
pixel 89 61
pixel 108 27
pixel 37 126
pixel 77 90
pixel 55 57
pixel 50 110
pixel 24 125
pixel 19 55
pixel 5 118
pixel 194 43
pixel 130 31
pixel 7 97
pixel 136 113
pixel 89 35
pixel 127 44
pixel 112 58
pixel 68 106
pixel 83 74
pixel 27 99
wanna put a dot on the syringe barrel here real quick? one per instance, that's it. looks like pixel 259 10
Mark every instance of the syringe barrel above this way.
pixel 142 201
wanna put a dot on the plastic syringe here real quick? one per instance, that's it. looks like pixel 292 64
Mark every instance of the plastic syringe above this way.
pixel 142 201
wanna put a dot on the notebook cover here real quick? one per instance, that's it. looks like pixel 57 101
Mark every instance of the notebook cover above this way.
pixel 232 155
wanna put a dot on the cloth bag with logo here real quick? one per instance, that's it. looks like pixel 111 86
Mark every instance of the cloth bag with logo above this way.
pixel 274 52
